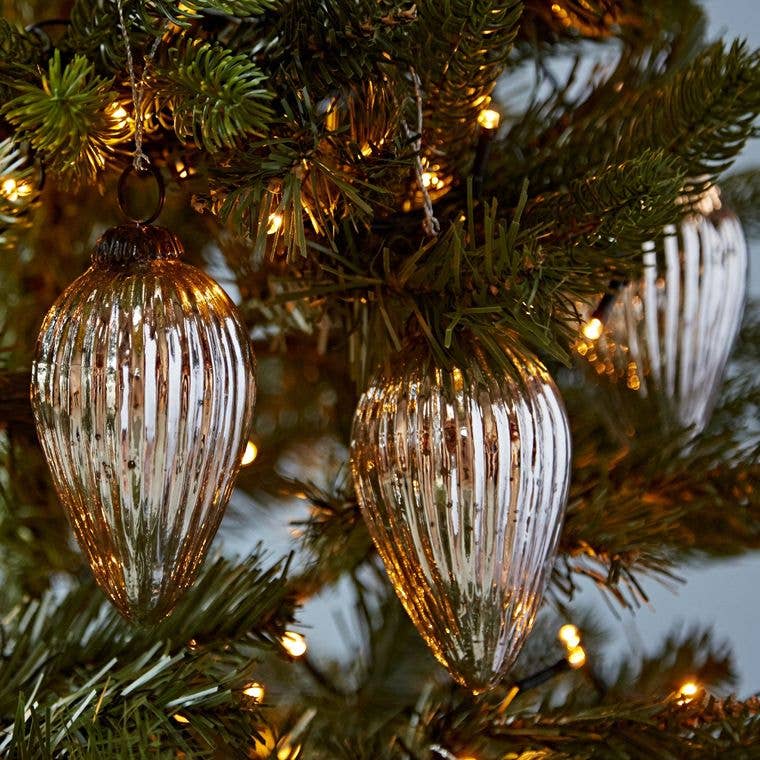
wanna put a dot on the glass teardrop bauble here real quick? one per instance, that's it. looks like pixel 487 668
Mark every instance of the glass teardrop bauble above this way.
pixel 143 392
pixel 669 334
pixel 462 477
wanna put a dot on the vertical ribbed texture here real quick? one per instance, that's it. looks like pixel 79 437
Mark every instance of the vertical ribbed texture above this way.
pixel 462 478
pixel 669 334
pixel 143 392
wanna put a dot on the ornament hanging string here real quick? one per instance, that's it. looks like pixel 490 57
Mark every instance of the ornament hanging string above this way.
pixel 140 160
pixel 430 225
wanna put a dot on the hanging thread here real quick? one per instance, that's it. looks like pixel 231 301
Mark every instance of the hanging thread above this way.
pixel 140 160
pixel 431 225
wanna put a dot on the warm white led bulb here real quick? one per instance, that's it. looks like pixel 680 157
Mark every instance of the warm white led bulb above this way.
pixel 255 691
pixel 251 452
pixel 569 636
pixel 593 329
pixel 293 643
pixel 576 657
pixel 489 119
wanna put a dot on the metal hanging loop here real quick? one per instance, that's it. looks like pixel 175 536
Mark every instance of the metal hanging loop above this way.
pixel 39 29
pixel 151 170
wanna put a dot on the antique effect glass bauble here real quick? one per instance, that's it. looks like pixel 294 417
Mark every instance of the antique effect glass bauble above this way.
pixel 462 477
pixel 669 334
pixel 143 392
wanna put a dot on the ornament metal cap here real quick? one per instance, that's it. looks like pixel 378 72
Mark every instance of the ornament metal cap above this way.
pixel 130 244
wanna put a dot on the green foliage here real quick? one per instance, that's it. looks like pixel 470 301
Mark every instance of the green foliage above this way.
pixel 335 43
pixel 627 202
pixel 636 730
pixel 31 521
pixel 77 679
pixel 95 31
pixel 545 23
pixel 464 49
pixel 641 503
pixel 334 535
pixel 683 655
pixel 215 96
pixel 240 8
pixel 66 118
pixel 18 170
pixel 702 115
pixel 705 115
pixel 485 272
pixel 19 53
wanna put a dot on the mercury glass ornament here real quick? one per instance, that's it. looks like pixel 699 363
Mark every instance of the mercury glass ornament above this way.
pixel 143 392
pixel 462 477
pixel 669 334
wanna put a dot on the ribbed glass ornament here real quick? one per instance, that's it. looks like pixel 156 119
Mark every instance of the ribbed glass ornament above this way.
pixel 143 392
pixel 669 334
pixel 462 477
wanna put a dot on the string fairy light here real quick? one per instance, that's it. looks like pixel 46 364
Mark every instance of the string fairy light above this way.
pixel 119 115
pixel 255 691
pixel 569 635
pixel 250 454
pixel 593 328
pixel 687 691
pixel 183 169
pixel 293 643
pixel 574 659
pixel 274 223
pixel 10 189
pixel 488 121
pixel 14 190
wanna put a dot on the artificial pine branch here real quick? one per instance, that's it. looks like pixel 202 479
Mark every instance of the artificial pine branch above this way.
pixel 75 676
pixel 628 202
pixel 702 115
pixel 380 716
pixel 332 45
pixel 685 654
pixel 639 730
pixel 466 47
pixel 216 97
pixel 66 118
pixel 551 22
pixel 23 175
pixel 239 8
pixel 634 512
pixel 20 52
pixel 705 116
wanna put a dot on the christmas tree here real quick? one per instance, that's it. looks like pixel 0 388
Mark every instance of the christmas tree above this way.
pixel 423 212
